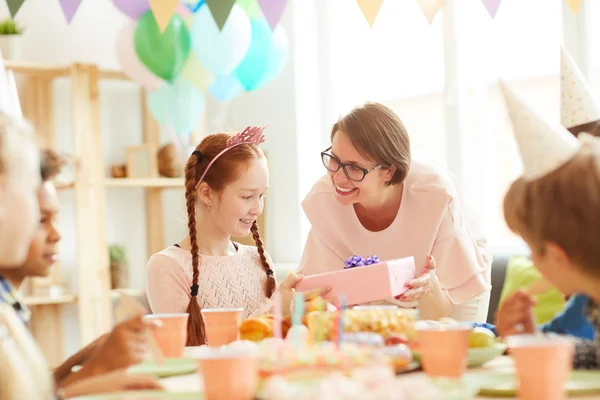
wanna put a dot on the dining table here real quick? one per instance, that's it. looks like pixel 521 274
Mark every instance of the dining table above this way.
pixel 193 382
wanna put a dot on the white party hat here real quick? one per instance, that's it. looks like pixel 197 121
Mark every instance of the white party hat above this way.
pixel 544 146
pixel 578 105
pixel 9 95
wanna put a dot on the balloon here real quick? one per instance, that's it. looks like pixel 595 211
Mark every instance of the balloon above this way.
pixel 253 66
pixel 129 60
pixel 163 53
pixel 178 105
pixel 194 5
pixel 226 88
pixel 280 52
pixel 197 74
pixel 132 8
pixel 251 7
pixel 221 50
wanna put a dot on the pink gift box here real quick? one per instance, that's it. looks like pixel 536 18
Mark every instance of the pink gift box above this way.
pixel 364 284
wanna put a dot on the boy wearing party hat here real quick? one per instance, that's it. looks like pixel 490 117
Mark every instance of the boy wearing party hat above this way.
pixel 555 207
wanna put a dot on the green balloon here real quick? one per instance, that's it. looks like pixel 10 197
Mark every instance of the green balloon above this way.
pixel 251 8
pixel 163 53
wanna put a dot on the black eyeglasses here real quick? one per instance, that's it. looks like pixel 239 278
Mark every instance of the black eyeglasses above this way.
pixel 352 172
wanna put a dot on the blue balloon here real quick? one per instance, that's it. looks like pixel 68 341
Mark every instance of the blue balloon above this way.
pixel 178 106
pixel 194 5
pixel 226 88
pixel 252 68
pixel 280 51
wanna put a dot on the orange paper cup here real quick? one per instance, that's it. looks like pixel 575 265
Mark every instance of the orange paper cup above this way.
pixel 172 335
pixel 229 375
pixel 543 365
pixel 444 349
pixel 222 325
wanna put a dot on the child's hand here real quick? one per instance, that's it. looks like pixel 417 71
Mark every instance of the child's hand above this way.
pixel 515 316
pixel 287 294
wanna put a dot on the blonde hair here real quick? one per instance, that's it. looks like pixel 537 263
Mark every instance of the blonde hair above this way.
pixel 21 361
pixel 562 207
pixel 378 134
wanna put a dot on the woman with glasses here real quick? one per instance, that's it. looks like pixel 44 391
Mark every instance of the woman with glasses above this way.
pixel 376 200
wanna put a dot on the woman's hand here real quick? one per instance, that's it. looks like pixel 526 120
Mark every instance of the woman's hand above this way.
pixel 422 285
pixel 287 293
pixel 116 381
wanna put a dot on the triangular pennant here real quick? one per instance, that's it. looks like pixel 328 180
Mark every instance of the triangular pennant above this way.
pixel 220 10
pixel 491 6
pixel 574 5
pixel 163 11
pixel 14 6
pixel 578 105
pixel 370 9
pixel 69 8
pixel 273 10
pixel 544 145
pixel 430 8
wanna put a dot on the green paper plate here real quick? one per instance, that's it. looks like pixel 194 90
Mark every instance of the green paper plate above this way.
pixel 171 367
pixel 504 384
pixel 478 356
pixel 143 395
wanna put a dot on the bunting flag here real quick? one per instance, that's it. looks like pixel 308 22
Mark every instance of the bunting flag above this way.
pixel 574 5
pixel 14 6
pixel 220 10
pixel 273 10
pixel 431 7
pixel 491 6
pixel 69 8
pixel 163 11
pixel 370 9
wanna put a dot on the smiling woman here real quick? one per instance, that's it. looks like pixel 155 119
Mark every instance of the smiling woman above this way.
pixel 375 199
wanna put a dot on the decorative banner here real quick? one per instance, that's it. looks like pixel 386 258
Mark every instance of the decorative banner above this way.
pixel 431 7
pixel 280 52
pixel 131 64
pixel 163 11
pixel 226 88
pixel 221 50
pixel 370 9
pixel 14 6
pixel 69 8
pixel 178 106
pixel 253 66
pixel 134 9
pixel 574 5
pixel 220 10
pixel 273 10
pixel 491 6
pixel 163 53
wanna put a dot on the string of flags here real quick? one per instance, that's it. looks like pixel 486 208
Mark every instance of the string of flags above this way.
pixel 164 10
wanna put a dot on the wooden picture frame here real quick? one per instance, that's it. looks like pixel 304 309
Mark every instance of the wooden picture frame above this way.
pixel 142 161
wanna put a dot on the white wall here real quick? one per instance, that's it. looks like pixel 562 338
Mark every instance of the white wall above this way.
pixel 90 39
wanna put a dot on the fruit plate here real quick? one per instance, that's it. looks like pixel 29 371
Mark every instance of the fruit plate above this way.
pixel 477 356
pixel 142 395
pixel 504 384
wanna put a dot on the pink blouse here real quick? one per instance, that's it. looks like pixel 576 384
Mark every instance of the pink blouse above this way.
pixel 232 281
pixel 430 220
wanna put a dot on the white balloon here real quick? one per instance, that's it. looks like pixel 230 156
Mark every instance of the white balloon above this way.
pixel 221 50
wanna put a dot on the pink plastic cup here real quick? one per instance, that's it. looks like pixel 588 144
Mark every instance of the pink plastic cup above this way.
pixel 222 325
pixel 543 365
pixel 229 375
pixel 444 349
pixel 172 335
